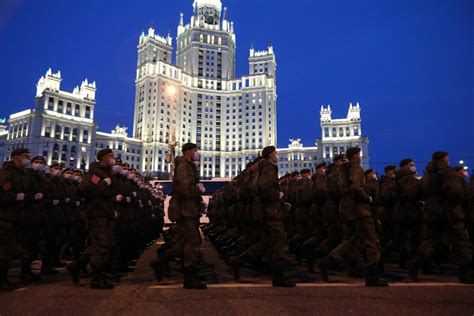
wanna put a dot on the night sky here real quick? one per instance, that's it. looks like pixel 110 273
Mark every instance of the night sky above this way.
pixel 410 63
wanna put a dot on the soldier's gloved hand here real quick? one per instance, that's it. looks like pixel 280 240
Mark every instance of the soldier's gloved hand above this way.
pixel 153 216
pixel 38 196
pixel 20 196
pixel 370 199
pixel 201 187
pixel 149 203
pixel 287 206
pixel 67 200
pixel 115 214
pixel 282 195
pixel 108 181
pixel 140 204
pixel 134 194
pixel 55 202
pixel 78 203
pixel 128 199
pixel 119 198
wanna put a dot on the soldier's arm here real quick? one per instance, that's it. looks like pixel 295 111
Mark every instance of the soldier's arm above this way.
pixel 186 186
pixel 268 183
pixel 356 177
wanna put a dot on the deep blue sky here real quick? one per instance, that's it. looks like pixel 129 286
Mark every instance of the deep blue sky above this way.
pixel 409 63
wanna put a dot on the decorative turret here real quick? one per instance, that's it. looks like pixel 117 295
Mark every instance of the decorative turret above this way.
pixel 48 81
pixel 325 113
pixel 353 113
pixel 88 90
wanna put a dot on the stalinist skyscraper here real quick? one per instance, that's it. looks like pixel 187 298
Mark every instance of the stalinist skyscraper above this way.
pixel 199 99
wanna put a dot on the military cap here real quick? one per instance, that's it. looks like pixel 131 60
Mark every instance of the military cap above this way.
pixel 459 168
pixel 188 146
pixel 67 169
pixel 267 151
pixel 103 152
pixel 352 151
pixel 305 171
pixel 56 165
pixel 20 151
pixel 320 165
pixel 126 164
pixel 295 173
pixel 118 161
pixel 78 171
pixel 368 171
pixel 405 162
pixel 390 167
pixel 38 158
pixel 439 155
pixel 338 157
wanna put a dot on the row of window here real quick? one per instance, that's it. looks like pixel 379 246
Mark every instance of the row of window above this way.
pixel 68 109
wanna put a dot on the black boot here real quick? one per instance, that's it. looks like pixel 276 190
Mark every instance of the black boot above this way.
pixel 74 269
pixel 47 269
pixel 413 266
pixel 324 265
pixel 234 264
pixel 99 282
pixel 372 280
pixel 27 276
pixel 157 267
pixel 279 279
pixel 466 274
pixel 354 270
pixel 5 284
pixel 191 279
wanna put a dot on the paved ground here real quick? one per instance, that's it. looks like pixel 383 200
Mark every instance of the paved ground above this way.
pixel 139 294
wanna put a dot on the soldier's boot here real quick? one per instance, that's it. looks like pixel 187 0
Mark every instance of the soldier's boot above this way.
pixel 26 275
pixel 279 279
pixel 413 266
pixel 354 270
pixel 234 264
pixel 466 274
pixel 74 269
pixel 191 279
pixel 5 284
pixel 324 265
pixel 159 267
pixel 99 282
pixel 372 280
pixel 47 268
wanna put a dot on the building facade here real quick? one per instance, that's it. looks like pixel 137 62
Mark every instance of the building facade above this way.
pixel 296 157
pixel 340 134
pixel 199 99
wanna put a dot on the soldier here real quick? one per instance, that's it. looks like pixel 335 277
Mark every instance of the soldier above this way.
pixel 444 216
pixel 12 204
pixel 304 221
pixel 32 220
pixel 96 186
pixel 388 199
pixel 271 196
pixel 185 209
pixel 358 224
pixel 54 219
pixel 407 212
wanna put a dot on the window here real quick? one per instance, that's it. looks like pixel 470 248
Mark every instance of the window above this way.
pixel 88 112
pixel 60 106
pixel 356 131
pixel 326 132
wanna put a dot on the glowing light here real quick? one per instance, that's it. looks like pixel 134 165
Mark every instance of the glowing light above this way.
pixel 461 162
pixel 171 90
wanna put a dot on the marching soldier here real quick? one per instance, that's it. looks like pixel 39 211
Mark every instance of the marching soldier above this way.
pixel 358 224
pixel 12 204
pixel 185 210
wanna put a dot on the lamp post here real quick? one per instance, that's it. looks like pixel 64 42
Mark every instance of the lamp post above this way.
pixel 171 91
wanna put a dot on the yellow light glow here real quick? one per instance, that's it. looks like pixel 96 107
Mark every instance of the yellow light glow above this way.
pixel 171 90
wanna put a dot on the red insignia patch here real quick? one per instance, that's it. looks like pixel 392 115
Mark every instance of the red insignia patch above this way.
pixel 95 179
pixel 7 186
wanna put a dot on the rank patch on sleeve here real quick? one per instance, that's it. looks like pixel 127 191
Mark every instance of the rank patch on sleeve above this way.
pixel 95 179
pixel 6 186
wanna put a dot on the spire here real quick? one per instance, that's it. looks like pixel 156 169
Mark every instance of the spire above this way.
pixel 181 19
pixel 225 13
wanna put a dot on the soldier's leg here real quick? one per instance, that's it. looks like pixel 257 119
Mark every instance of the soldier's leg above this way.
pixel 347 243
pixel 369 240
pixel 462 250
pixel 8 249
pixel 101 234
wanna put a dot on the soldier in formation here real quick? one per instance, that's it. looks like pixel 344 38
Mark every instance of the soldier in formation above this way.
pixel 343 216
pixel 100 220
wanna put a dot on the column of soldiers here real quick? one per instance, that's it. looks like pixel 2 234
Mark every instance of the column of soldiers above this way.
pixel 97 223
pixel 343 216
